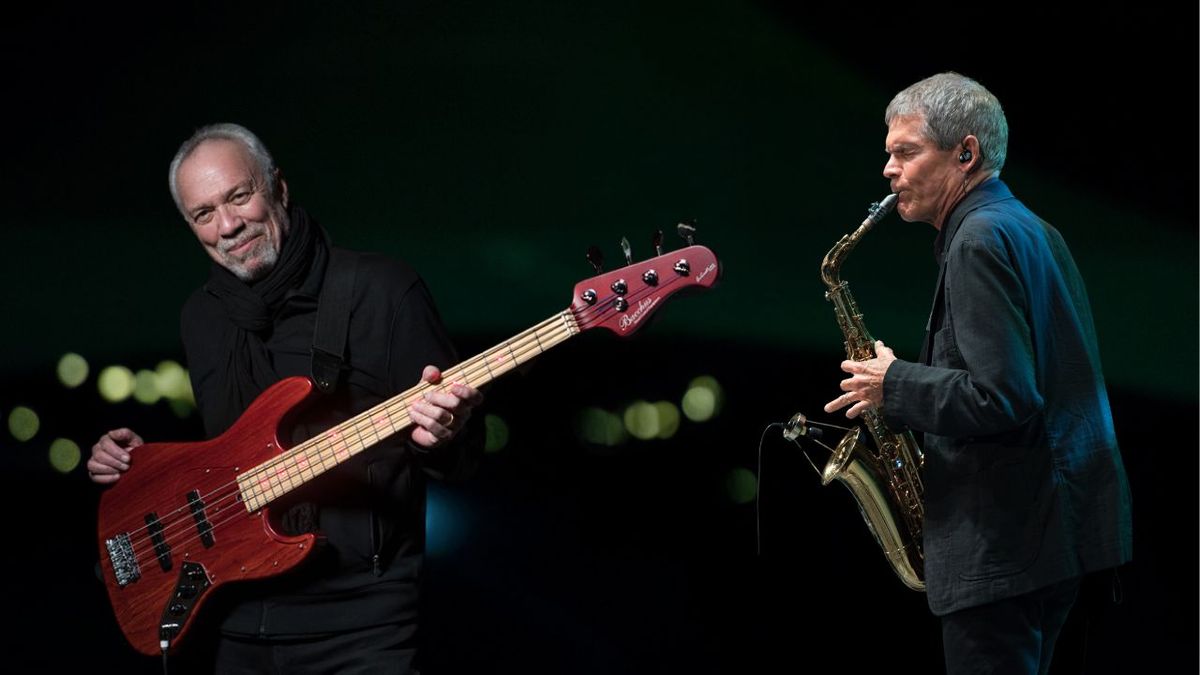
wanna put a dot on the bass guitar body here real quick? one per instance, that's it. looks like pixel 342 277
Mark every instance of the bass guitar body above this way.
pixel 175 527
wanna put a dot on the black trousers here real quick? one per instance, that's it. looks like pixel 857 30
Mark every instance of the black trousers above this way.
pixel 1011 636
pixel 387 649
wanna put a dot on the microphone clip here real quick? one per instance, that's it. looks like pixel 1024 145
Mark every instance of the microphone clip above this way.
pixel 798 426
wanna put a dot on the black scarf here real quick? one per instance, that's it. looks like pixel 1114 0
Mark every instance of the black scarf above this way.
pixel 251 308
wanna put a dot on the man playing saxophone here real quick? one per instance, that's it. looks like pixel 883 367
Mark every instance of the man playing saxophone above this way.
pixel 1025 492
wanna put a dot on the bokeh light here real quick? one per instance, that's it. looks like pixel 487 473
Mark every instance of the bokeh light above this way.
pixel 446 522
pixel 703 399
pixel 115 383
pixel 699 404
pixel 172 381
pixel 182 407
pixel 145 387
pixel 668 419
pixel 600 427
pixel 496 430
pixel 72 370
pixel 64 455
pixel 23 423
pixel 641 420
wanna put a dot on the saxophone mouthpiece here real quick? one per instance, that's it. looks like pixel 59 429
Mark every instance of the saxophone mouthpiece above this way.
pixel 881 208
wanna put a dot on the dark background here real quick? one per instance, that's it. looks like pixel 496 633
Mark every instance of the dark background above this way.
pixel 490 144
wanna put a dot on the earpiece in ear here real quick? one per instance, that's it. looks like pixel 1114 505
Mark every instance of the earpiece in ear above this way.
pixel 964 156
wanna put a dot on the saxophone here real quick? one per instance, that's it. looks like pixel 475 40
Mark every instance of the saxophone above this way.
pixel 886 483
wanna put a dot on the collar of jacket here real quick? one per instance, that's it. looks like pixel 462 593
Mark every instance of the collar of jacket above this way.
pixel 989 191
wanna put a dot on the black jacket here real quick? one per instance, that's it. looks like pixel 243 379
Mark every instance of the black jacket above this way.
pixel 1024 484
pixel 371 510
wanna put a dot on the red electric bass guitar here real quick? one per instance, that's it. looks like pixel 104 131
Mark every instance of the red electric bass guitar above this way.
pixel 188 518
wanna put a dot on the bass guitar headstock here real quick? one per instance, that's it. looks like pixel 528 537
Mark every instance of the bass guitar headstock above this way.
pixel 622 300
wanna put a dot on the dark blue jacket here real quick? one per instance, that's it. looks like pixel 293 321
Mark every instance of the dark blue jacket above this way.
pixel 1024 484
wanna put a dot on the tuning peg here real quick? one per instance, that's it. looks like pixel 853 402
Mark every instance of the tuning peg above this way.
pixel 627 250
pixel 658 242
pixel 596 257
pixel 687 231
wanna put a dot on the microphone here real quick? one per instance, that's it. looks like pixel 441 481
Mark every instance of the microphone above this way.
pixel 798 426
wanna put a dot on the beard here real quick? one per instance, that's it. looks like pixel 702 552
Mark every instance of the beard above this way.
pixel 260 259
pixel 255 264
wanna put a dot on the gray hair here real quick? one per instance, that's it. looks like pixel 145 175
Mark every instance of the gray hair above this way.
pixel 955 106
pixel 225 132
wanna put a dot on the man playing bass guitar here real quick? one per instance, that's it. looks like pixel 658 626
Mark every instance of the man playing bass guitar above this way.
pixel 281 301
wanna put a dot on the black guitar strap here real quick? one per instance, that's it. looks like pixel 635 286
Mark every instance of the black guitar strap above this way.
pixel 333 319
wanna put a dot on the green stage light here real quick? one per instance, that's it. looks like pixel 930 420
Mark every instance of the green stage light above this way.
pixel 182 407
pixel 115 383
pixel 172 382
pixel 641 420
pixel 496 433
pixel 699 404
pixel 668 419
pixel 72 370
pixel 145 387
pixel 64 455
pixel 703 398
pixel 23 423
pixel 600 427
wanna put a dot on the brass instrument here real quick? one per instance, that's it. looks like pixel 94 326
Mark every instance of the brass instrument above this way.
pixel 886 483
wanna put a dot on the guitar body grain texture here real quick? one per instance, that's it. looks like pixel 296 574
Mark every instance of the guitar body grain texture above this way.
pixel 244 545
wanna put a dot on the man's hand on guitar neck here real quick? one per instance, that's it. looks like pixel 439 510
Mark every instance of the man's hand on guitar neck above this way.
pixel 110 455
pixel 441 414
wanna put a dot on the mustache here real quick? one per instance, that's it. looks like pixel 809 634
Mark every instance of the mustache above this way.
pixel 227 245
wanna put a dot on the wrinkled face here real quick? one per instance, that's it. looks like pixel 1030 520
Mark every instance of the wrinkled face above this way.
pixel 927 180
pixel 225 201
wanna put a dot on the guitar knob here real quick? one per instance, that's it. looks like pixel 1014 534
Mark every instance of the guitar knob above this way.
pixel 589 296
pixel 619 287
pixel 682 268
pixel 177 608
pixel 185 592
pixel 621 304
pixel 650 277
